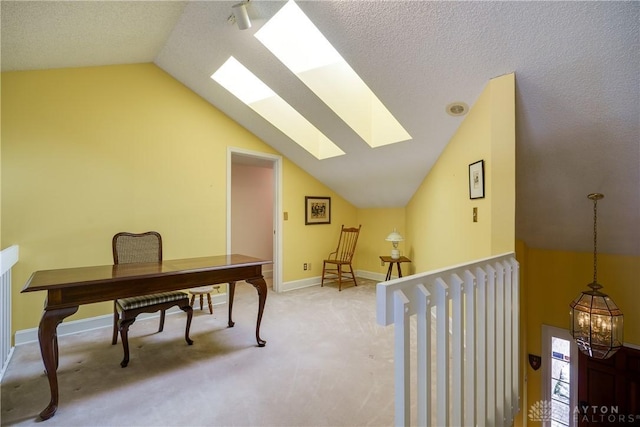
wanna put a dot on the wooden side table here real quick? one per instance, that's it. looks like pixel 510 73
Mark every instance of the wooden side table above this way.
pixel 392 261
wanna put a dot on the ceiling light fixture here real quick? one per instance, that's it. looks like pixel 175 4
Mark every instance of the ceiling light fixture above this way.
pixel 596 321
pixel 457 109
pixel 240 15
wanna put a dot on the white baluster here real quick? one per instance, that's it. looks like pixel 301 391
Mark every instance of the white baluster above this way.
pixel 481 346
pixel 508 344
pixel 499 363
pixel 457 337
pixel 491 345
pixel 423 297
pixel 469 396
pixel 402 369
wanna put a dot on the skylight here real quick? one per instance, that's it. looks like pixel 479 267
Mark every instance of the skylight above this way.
pixel 302 48
pixel 248 88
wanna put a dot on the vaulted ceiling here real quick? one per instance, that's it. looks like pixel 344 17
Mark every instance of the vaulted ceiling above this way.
pixel 577 67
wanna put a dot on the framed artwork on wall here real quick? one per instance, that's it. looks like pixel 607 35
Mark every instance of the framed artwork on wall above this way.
pixel 476 180
pixel 317 210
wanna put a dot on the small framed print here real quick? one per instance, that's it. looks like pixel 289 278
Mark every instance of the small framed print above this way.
pixel 317 210
pixel 476 180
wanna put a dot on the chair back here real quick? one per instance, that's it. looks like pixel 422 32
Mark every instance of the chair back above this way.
pixel 143 247
pixel 347 243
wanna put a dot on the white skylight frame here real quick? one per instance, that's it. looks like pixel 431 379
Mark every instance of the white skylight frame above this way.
pixel 248 88
pixel 300 46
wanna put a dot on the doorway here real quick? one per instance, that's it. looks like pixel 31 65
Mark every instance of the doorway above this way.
pixel 559 378
pixel 254 208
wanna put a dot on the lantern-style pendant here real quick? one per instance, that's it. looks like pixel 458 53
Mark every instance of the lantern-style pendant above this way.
pixel 596 321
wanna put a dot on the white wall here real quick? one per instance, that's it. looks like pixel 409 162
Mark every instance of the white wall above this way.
pixel 252 211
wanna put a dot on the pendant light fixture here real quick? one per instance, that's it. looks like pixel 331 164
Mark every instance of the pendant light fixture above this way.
pixel 596 321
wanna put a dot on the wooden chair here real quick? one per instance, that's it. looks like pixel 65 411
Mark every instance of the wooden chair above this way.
pixel 138 248
pixel 201 292
pixel 342 256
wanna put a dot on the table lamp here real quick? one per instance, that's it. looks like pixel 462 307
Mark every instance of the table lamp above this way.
pixel 394 238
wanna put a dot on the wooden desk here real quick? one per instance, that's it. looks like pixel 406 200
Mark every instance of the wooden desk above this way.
pixel 392 261
pixel 69 288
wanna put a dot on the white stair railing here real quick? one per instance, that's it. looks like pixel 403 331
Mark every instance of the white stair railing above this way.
pixel 471 312
pixel 8 258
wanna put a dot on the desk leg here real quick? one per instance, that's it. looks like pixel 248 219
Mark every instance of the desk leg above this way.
pixel 48 337
pixel 399 270
pixel 231 289
pixel 261 287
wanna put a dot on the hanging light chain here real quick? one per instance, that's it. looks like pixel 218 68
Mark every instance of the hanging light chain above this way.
pixel 595 197
pixel 595 240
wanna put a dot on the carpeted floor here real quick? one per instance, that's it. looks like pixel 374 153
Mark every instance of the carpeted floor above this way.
pixel 326 363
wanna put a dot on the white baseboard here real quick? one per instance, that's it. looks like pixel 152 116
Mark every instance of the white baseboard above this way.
pixel 6 363
pixel 378 277
pixel 27 336
pixel 314 281
pixel 300 284
pixel 633 346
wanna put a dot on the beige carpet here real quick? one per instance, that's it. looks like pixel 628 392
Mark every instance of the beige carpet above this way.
pixel 326 363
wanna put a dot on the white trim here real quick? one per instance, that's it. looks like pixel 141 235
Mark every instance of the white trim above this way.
pixel 635 347
pixel 8 258
pixel 315 281
pixel 547 333
pixel 6 363
pixel 378 277
pixel 27 336
pixel 277 207
pixel 301 284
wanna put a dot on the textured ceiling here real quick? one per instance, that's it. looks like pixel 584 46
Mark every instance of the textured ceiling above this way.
pixel 577 90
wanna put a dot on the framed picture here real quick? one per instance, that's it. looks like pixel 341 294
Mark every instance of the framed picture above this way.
pixel 476 180
pixel 317 210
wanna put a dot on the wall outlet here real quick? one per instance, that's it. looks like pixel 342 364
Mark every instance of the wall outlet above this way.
pixel 305 266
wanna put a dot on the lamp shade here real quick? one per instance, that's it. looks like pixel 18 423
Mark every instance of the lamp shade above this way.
pixel 394 236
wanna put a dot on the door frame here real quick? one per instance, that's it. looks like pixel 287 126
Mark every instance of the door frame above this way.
pixel 549 332
pixel 276 162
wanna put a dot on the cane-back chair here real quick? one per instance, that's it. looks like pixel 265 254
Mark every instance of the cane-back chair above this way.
pixel 140 248
pixel 332 267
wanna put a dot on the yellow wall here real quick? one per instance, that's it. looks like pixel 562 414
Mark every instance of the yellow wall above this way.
pixel 552 279
pixel 440 230
pixel 88 152
pixel 502 167
pixel 309 243
pixel 376 225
